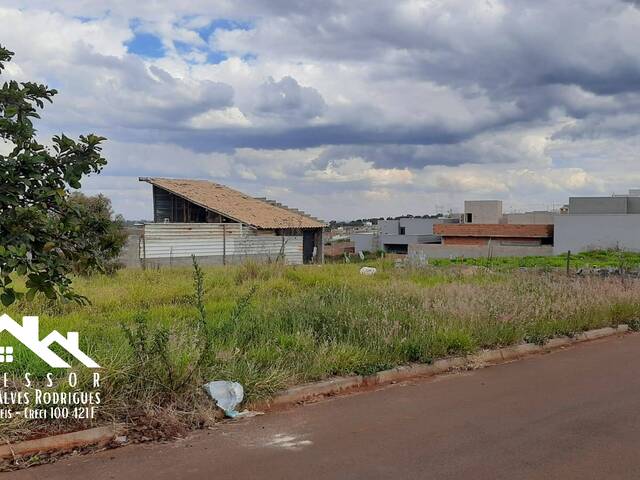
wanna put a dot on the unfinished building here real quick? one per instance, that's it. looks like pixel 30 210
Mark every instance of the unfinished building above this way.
pixel 485 231
pixel 218 224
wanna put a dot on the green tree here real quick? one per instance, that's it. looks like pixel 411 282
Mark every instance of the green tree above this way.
pixel 104 234
pixel 41 232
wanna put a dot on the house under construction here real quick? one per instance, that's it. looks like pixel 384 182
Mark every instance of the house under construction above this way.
pixel 220 225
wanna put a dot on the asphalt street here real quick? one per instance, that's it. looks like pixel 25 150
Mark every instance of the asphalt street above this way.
pixel 571 414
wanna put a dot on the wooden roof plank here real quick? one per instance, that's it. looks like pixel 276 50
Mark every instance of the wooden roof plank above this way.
pixel 234 204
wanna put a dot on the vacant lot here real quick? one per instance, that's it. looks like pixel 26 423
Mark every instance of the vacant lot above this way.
pixel 600 259
pixel 271 326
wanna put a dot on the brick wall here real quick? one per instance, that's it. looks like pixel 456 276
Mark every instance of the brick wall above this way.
pixel 339 248
pixel 493 230
pixel 465 240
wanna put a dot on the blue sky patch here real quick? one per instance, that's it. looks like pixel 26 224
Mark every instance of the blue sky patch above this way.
pixel 146 45
pixel 182 47
pixel 221 24
pixel 215 56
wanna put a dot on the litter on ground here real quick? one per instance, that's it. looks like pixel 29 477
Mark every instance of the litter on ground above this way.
pixel 368 271
pixel 227 395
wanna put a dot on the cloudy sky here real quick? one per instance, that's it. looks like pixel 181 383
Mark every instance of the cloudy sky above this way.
pixel 345 108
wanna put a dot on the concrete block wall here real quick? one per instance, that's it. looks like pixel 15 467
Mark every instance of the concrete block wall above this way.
pixel 408 239
pixel 483 211
pixel 389 227
pixel 365 242
pixel 412 226
pixel 529 218
pixel 598 205
pixel 580 233
pixel 604 205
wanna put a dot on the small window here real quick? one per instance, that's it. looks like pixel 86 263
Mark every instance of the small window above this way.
pixel 6 354
pixel 402 230
pixel 469 218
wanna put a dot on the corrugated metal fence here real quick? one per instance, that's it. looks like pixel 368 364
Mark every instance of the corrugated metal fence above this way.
pixel 226 242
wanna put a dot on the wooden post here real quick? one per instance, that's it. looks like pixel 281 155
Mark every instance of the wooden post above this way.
pixel 282 251
pixel 143 257
pixel 224 244
pixel 568 261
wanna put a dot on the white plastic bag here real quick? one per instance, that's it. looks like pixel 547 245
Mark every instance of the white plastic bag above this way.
pixel 227 395
pixel 368 271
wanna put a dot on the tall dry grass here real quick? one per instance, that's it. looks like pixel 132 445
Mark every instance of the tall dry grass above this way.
pixel 272 326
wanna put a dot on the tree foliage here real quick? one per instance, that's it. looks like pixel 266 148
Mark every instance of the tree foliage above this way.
pixel 42 233
pixel 104 234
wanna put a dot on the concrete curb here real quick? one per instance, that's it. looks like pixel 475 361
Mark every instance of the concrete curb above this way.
pixel 323 388
pixel 338 385
pixel 332 386
pixel 65 441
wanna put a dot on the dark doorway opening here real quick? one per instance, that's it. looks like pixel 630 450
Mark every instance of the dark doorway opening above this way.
pixel 308 243
pixel 396 248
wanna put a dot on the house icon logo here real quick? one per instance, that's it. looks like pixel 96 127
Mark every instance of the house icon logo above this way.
pixel 29 335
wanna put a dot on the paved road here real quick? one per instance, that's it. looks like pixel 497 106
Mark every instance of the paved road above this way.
pixel 570 414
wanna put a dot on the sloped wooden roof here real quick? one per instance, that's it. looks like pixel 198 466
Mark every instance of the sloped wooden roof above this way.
pixel 234 204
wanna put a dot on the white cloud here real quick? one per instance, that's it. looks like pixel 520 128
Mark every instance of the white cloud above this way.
pixel 229 117
pixel 357 170
pixel 345 109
